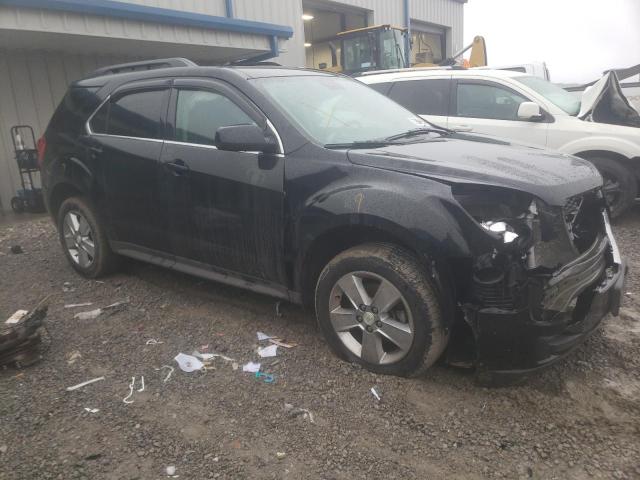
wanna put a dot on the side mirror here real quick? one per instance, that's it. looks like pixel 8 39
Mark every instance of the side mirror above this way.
pixel 529 111
pixel 244 138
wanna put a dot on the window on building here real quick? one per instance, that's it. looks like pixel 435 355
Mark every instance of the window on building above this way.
pixel 200 113
pixel 476 100
pixel 423 97
pixel 427 47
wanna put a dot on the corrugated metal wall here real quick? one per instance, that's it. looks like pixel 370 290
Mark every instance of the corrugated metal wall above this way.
pixel 31 86
pixel 281 12
pixel 208 7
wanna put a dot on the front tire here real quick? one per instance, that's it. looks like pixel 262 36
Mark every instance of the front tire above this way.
pixel 84 239
pixel 620 184
pixel 377 306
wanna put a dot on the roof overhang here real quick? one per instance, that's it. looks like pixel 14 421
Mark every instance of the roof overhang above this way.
pixel 103 27
pixel 144 13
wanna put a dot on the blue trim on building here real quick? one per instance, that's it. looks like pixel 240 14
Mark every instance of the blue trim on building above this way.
pixel 166 16
pixel 228 5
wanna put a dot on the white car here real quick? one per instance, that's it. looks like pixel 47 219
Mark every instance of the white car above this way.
pixel 529 110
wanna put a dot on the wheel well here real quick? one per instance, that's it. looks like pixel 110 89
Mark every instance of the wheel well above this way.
pixel 330 244
pixel 634 167
pixel 59 194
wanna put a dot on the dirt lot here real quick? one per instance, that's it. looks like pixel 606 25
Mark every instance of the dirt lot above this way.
pixel 580 419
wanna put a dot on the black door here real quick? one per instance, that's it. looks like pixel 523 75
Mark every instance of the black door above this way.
pixel 126 143
pixel 221 209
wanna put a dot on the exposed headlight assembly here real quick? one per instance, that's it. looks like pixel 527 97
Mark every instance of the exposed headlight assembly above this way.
pixel 507 214
pixel 503 229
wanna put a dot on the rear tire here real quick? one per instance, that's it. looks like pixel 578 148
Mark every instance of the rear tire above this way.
pixel 620 184
pixel 84 239
pixel 399 329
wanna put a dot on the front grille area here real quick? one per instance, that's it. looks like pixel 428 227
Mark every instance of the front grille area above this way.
pixel 491 289
pixel 494 295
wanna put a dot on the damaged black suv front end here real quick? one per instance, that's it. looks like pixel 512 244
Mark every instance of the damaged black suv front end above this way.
pixel 544 277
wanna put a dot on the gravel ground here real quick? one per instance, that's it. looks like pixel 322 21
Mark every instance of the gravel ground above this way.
pixel 580 419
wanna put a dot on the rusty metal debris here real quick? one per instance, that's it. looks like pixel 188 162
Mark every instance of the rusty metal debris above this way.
pixel 20 337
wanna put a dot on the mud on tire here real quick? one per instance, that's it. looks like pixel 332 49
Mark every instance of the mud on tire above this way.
pixel 419 294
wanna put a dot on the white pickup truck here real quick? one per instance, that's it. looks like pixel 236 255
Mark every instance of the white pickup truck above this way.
pixel 601 127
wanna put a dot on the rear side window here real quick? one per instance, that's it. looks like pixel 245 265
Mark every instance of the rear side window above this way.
pixel 199 114
pixel 137 114
pixel 75 107
pixel 423 97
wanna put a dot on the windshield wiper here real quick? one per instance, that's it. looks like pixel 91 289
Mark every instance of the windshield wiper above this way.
pixel 419 131
pixel 375 143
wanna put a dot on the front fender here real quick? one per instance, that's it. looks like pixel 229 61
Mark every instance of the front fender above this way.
pixel 626 148
pixel 413 209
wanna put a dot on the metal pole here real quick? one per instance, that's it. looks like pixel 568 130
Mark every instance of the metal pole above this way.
pixel 229 6
pixel 407 40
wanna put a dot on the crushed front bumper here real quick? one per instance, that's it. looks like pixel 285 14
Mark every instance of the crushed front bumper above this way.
pixel 565 308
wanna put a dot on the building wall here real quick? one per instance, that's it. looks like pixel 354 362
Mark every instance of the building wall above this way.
pixel 280 12
pixel 207 7
pixel 33 83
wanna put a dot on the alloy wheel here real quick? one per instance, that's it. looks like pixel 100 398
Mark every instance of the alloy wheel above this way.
pixel 78 238
pixel 371 317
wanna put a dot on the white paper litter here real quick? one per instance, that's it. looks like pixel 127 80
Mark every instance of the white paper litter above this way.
pixel 251 367
pixel 92 410
pixel 153 341
pixel 188 363
pixel 90 315
pixel 75 305
pixel 83 384
pixel 115 305
pixel 168 374
pixel 209 356
pixel 204 356
pixel 16 317
pixel 263 336
pixel 269 351
pixel 126 399
pixel 375 394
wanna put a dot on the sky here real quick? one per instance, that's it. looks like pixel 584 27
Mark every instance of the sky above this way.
pixel 577 39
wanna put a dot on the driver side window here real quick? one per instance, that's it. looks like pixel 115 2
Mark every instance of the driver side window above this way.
pixel 199 114
pixel 476 100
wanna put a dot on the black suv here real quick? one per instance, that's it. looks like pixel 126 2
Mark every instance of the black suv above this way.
pixel 407 239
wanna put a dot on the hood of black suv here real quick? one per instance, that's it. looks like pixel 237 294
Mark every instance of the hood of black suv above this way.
pixel 471 159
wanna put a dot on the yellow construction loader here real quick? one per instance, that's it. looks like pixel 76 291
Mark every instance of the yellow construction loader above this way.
pixel 383 47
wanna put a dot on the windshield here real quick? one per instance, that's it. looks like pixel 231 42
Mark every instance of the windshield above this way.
pixel 555 94
pixel 337 110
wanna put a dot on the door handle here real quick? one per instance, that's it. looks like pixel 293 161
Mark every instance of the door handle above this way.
pixel 178 167
pixel 461 128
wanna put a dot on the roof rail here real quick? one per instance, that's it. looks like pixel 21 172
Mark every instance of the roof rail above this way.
pixel 144 65
pixel 412 69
